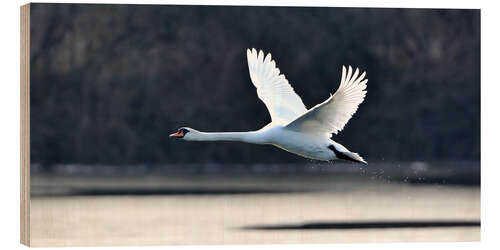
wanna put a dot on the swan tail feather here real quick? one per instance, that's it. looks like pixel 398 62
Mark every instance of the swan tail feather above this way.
pixel 347 155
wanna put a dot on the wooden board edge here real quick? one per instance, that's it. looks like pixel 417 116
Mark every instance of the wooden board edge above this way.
pixel 25 125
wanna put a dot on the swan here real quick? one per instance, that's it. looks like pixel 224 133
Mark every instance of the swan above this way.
pixel 293 127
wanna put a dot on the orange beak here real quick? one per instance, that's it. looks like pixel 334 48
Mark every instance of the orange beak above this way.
pixel 179 134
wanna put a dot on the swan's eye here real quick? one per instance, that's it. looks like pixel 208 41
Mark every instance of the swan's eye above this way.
pixel 183 131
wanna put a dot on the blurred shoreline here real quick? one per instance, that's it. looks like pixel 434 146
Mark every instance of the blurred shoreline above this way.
pixel 76 179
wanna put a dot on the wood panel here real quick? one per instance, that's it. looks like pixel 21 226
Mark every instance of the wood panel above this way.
pixel 25 124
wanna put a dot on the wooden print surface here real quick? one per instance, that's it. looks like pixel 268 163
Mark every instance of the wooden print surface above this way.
pixel 25 125
pixel 103 87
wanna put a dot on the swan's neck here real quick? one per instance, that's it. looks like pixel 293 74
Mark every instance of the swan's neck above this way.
pixel 249 137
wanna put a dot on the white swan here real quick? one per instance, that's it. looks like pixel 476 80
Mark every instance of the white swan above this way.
pixel 293 127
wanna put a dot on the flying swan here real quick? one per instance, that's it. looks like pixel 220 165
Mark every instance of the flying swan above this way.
pixel 294 128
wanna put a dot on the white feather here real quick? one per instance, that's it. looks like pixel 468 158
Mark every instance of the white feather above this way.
pixel 283 104
pixel 333 114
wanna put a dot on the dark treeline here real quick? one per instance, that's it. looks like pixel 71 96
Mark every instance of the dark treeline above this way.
pixel 109 83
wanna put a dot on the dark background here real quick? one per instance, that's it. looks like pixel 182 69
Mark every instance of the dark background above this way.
pixel 109 83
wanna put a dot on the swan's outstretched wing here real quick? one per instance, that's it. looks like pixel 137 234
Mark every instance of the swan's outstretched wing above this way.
pixel 283 104
pixel 332 115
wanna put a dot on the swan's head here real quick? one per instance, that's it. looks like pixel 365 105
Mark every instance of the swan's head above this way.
pixel 184 133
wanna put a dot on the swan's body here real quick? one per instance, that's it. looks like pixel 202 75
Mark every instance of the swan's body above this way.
pixel 293 127
pixel 277 135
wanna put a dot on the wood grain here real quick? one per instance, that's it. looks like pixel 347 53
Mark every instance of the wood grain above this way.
pixel 25 125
